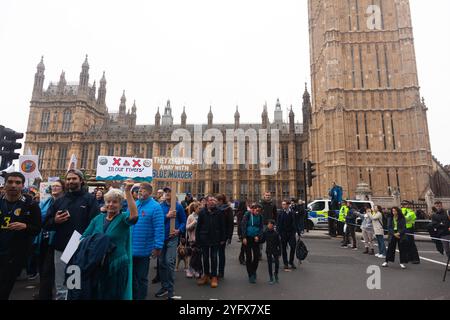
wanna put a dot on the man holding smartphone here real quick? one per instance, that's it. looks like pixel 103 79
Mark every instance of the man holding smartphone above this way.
pixel 73 212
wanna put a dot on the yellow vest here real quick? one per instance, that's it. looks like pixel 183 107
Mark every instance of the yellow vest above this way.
pixel 343 213
pixel 410 217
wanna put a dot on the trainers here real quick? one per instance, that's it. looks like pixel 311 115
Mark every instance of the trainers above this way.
pixel 161 293
pixel 385 264
pixel 382 256
pixel 189 274
pixel 402 266
pixel 354 248
pixel 271 280
pixel 377 255
pixel 293 267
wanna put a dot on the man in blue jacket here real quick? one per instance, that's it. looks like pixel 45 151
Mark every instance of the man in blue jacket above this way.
pixel 147 239
pixel 169 252
pixel 336 200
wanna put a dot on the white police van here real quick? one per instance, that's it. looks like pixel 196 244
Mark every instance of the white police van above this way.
pixel 318 212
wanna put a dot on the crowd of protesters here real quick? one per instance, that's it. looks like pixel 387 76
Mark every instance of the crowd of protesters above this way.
pixel 397 223
pixel 121 231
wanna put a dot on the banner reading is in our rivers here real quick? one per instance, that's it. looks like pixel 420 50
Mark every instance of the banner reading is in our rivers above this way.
pixel 124 168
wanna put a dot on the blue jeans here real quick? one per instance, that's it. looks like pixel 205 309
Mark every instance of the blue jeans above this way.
pixel 167 265
pixel 381 245
pixel 140 277
pixel 60 277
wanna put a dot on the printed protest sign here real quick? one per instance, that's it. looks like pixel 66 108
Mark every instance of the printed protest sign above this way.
pixel 124 168
pixel 172 169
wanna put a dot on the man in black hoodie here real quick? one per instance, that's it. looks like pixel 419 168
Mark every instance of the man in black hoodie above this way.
pixel 73 212
pixel 269 208
pixel 227 212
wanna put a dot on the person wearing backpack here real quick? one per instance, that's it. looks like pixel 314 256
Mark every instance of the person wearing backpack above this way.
pixel 252 229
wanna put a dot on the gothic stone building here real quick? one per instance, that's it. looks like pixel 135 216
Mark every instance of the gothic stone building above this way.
pixel 367 122
pixel 72 118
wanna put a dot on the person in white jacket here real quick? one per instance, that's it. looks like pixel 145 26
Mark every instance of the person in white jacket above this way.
pixel 367 232
pixel 377 221
pixel 193 210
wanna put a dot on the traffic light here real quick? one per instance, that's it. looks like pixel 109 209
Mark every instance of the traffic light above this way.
pixel 8 146
pixel 311 168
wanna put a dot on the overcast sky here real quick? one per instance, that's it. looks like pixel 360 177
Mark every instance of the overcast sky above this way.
pixel 196 53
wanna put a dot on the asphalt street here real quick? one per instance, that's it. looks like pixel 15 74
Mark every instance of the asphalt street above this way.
pixel 328 273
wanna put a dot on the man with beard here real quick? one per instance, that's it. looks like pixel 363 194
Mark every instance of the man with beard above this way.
pixel 20 220
pixel 72 212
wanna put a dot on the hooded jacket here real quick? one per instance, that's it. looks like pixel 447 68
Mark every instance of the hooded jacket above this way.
pixel 82 208
pixel 269 210
pixel 229 220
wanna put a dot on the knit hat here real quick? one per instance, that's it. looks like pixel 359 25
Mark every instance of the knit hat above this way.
pixel 77 172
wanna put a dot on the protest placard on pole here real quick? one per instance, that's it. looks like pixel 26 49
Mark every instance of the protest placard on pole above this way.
pixel 173 170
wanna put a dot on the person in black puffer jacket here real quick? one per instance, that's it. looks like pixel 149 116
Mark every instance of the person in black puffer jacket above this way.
pixel 209 235
pixel 227 212
pixel 273 249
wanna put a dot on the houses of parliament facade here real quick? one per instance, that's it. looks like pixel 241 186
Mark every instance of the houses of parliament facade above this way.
pixel 364 120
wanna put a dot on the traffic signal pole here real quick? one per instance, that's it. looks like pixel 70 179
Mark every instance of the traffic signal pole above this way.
pixel 305 182
pixel 8 145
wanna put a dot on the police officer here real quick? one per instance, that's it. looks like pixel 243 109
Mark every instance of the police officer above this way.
pixel 20 220
pixel 410 216
pixel 341 220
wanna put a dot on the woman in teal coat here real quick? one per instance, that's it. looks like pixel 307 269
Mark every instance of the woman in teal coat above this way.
pixel 116 282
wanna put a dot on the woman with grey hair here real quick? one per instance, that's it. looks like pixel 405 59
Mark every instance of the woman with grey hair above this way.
pixel 116 283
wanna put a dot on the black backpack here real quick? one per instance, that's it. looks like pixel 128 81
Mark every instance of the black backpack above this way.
pixel 300 250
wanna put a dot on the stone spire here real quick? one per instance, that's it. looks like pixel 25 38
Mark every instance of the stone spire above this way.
pixel 123 105
pixel 84 76
pixel 265 117
pixel 157 119
pixel 237 117
pixel 183 118
pixel 167 118
pixel 278 114
pixel 210 117
pixel 102 91
pixel 39 78
pixel 62 83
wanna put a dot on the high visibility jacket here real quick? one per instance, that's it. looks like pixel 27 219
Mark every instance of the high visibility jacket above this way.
pixel 410 217
pixel 343 213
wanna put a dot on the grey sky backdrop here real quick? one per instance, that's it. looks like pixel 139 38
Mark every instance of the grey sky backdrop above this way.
pixel 196 53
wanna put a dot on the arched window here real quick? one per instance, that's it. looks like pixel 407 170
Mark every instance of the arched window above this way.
pixel 45 121
pixel 67 121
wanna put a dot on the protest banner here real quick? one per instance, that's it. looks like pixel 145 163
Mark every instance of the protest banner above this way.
pixel 124 168
pixel 173 170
